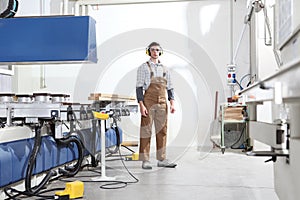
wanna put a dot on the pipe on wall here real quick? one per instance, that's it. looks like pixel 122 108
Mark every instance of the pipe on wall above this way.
pixel 80 3
pixel 231 32
pixel 65 7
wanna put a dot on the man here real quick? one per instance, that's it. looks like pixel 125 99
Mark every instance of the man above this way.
pixel 153 80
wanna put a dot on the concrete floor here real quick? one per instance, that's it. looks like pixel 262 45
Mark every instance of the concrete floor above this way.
pixel 199 175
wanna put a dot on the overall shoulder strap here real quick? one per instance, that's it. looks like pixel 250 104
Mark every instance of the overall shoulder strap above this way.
pixel 150 69
pixel 164 71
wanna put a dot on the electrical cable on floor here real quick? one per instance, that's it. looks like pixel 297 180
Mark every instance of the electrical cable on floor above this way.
pixel 242 133
pixel 8 192
pixel 109 184
pixel 67 179
pixel 113 155
pixel 104 186
pixel 113 184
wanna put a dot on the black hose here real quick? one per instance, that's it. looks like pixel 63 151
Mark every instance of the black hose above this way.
pixel 73 170
pixel 116 149
pixel 242 133
pixel 11 10
pixel 31 164
pixel 8 192
pixel 118 137
pixel 2 124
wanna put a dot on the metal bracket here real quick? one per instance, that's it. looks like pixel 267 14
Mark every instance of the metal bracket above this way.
pixel 272 154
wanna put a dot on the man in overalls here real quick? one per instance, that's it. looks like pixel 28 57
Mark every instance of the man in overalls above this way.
pixel 153 80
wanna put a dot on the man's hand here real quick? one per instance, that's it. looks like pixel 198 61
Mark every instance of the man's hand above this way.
pixel 143 109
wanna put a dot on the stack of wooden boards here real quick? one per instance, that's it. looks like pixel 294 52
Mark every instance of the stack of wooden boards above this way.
pixel 110 97
pixel 234 113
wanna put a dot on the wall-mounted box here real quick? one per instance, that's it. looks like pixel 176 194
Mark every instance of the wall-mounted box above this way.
pixel 52 39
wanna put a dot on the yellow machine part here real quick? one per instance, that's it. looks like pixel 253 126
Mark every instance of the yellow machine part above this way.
pixel 134 156
pixel 74 189
pixel 100 115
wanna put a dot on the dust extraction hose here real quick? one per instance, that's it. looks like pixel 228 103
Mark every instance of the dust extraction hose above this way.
pixel 31 164
pixel 72 171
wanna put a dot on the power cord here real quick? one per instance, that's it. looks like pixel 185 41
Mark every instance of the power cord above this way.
pixel 9 192
pixel 242 133
pixel 109 184
pixel 2 124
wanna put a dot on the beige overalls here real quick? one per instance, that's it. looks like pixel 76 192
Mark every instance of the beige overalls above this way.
pixel 156 104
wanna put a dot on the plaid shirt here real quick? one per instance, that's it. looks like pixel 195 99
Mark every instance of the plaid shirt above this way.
pixel 143 75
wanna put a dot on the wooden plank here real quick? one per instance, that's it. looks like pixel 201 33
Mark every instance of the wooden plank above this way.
pixel 109 97
pixel 130 143
pixel 233 113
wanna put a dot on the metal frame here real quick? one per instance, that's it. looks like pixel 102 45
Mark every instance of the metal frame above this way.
pixel 286 177
pixel 9 71
pixel 120 2
pixel 224 122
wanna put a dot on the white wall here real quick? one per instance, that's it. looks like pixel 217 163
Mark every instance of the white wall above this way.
pixel 196 41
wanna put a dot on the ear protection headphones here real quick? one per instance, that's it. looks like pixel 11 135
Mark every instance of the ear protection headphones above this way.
pixel 153 44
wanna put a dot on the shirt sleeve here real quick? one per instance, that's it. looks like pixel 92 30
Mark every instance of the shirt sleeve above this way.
pixel 139 94
pixel 140 82
pixel 140 79
pixel 171 94
pixel 170 89
pixel 169 81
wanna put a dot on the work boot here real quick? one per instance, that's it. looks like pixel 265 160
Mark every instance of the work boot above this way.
pixel 166 163
pixel 146 165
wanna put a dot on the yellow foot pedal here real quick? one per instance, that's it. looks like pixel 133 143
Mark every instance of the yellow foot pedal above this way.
pixel 134 156
pixel 100 115
pixel 74 189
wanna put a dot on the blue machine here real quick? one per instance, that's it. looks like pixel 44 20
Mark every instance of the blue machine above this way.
pixel 58 39
pixel 15 154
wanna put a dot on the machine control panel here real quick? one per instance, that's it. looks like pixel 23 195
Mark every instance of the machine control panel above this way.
pixel 231 75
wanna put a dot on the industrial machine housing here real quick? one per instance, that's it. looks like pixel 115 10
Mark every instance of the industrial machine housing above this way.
pixel 62 132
